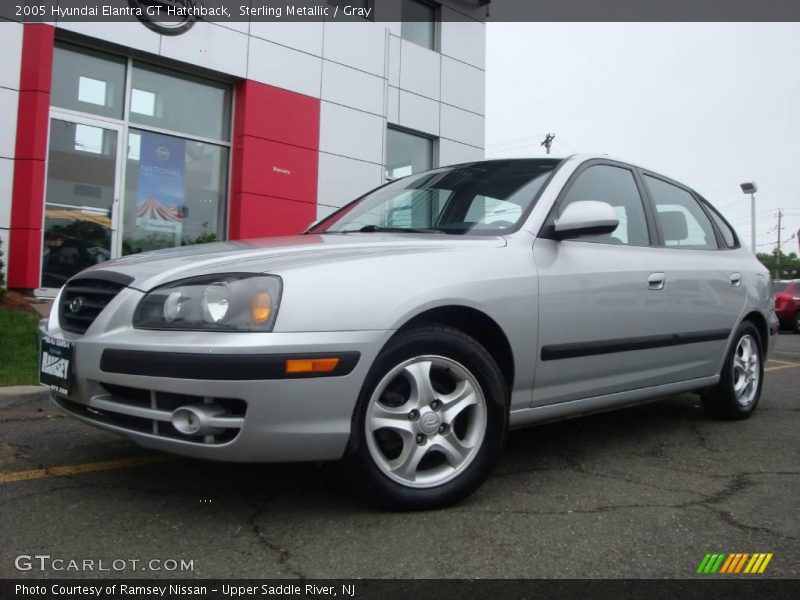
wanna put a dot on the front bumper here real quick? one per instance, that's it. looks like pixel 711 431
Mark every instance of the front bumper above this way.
pixel 271 418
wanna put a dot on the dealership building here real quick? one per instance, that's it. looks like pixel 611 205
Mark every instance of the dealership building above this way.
pixel 119 138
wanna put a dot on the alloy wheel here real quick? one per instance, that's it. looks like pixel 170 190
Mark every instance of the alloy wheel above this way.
pixel 746 370
pixel 425 421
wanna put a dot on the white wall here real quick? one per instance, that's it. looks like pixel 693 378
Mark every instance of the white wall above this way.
pixel 11 51
pixel 367 68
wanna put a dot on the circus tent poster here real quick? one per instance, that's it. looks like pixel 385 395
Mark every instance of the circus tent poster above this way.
pixel 161 194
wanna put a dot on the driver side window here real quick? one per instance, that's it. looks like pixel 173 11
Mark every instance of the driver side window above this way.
pixel 615 186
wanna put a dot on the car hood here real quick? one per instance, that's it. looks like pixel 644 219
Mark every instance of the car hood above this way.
pixel 262 255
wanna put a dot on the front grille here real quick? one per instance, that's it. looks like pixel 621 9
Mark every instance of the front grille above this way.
pixel 147 411
pixel 82 300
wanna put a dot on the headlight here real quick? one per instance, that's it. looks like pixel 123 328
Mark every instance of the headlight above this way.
pixel 230 302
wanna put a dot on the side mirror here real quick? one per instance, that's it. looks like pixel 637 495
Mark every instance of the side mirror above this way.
pixel 586 217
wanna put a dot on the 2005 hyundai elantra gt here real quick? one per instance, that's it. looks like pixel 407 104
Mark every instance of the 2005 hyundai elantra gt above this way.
pixel 407 332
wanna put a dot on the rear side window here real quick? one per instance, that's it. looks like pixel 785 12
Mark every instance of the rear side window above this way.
pixel 683 222
pixel 617 187
pixel 727 233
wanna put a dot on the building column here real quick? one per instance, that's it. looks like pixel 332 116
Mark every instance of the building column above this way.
pixel 275 162
pixel 27 200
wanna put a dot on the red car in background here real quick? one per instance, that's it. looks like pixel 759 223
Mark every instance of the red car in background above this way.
pixel 787 302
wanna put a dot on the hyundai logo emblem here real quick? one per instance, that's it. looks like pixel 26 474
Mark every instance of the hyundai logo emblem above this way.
pixel 75 305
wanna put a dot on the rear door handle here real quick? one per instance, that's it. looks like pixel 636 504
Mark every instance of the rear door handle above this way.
pixel 656 281
pixel 736 279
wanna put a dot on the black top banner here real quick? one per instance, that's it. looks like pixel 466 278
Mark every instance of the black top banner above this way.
pixel 221 11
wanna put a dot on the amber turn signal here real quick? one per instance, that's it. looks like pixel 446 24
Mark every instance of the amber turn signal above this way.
pixel 311 365
pixel 261 307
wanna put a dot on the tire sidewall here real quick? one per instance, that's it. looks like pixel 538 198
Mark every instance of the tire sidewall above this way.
pixel 736 409
pixel 461 348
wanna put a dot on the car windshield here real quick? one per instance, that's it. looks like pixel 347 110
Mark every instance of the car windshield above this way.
pixel 489 197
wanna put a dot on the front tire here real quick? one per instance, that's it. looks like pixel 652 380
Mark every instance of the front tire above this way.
pixel 796 322
pixel 739 389
pixel 430 421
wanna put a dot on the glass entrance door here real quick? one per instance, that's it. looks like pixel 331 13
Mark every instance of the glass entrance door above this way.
pixel 82 196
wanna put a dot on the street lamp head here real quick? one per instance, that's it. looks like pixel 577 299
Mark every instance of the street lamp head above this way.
pixel 749 187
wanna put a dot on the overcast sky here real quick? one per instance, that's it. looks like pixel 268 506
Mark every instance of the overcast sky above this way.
pixel 710 105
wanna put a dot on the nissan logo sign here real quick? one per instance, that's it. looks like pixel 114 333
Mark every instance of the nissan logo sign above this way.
pixel 168 17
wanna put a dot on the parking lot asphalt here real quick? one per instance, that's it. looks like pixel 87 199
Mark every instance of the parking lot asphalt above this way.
pixel 644 493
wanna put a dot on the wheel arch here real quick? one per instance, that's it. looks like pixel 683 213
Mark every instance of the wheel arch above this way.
pixel 757 319
pixel 475 323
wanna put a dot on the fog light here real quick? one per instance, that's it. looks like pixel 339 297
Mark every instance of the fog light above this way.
pixel 196 419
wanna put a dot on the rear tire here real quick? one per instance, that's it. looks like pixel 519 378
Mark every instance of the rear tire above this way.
pixel 796 322
pixel 429 423
pixel 739 389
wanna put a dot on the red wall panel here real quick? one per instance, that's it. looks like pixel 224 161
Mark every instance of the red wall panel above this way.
pixel 265 215
pixel 275 161
pixel 275 114
pixel 27 199
pixel 278 170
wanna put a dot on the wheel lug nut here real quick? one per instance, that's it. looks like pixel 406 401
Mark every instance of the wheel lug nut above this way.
pixel 413 415
pixel 443 428
pixel 420 438
pixel 436 405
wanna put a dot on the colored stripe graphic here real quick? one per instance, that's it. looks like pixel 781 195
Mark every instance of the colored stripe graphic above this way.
pixel 764 564
pixel 728 563
pixel 703 563
pixel 734 563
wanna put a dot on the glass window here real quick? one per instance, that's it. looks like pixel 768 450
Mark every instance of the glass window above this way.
pixel 615 186
pixel 174 192
pixel 492 211
pixel 179 103
pixel 682 221
pixel 419 23
pixel 407 153
pixel 88 81
pixel 727 232
pixel 81 169
pixel 481 198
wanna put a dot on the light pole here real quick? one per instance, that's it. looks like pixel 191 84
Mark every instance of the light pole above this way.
pixel 751 188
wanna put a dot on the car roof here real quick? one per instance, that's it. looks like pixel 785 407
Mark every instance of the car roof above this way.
pixel 578 157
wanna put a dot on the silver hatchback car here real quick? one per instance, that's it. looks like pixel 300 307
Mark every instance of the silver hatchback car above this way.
pixel 408 331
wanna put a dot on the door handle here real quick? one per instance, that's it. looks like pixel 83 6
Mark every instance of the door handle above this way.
pixel 736 279
pixel 656 281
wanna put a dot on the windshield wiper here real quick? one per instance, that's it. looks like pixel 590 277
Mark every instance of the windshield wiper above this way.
pixel 380 229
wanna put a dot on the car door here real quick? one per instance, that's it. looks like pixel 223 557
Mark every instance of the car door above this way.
pixel 602 298
pixel 705 282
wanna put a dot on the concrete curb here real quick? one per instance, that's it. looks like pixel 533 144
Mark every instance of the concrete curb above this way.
pixel 22 390
pixel 24 396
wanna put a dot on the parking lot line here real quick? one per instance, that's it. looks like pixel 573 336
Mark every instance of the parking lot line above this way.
pixel 783 366
pixel 123 463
